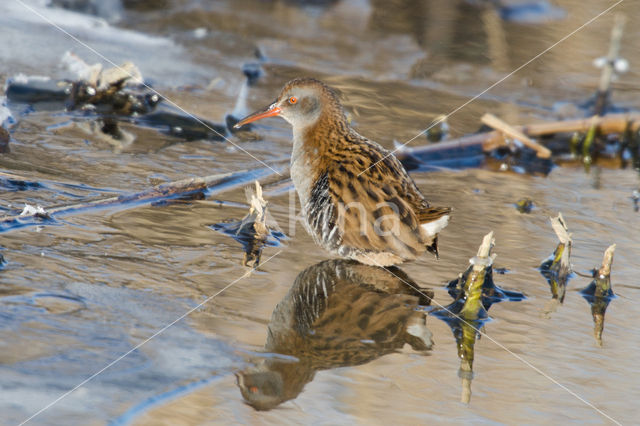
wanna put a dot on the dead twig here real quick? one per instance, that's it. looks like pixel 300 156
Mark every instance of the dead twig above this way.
pixel 610 123
pixel 508 130
pixel 607 260
pixel 211 184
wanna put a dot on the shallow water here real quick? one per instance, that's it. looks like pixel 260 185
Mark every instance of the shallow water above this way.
pixel 77 294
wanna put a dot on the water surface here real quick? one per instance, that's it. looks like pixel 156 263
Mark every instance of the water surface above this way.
pixel 77 294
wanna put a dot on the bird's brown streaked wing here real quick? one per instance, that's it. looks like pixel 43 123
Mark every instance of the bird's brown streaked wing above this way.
pixel 378 206
pixel 376 215
pixel 389 165
pixel 386 168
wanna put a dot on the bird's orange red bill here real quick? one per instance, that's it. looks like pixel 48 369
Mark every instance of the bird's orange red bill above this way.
pixel 271 111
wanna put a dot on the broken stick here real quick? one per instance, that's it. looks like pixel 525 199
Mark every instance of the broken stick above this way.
pixel 166 191
pixel 508 130
pixel 610 123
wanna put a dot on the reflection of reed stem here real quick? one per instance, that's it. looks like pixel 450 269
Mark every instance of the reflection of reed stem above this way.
pixel 467 343
pixel 466 346
pixel 604 88
pixel 472 289
pixel 586 147
pixel 598 327
pixel 466 374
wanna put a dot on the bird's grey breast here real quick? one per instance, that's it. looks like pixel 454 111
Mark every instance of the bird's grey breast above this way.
pixel 312 186
pixel 301 169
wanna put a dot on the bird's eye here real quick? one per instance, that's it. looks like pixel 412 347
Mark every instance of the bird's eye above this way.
pixel 293 100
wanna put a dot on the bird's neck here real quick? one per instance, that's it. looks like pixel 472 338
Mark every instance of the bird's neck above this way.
pixel 311 154
pixel 329 131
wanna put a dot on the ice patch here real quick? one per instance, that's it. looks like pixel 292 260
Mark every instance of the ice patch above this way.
pixel 30 210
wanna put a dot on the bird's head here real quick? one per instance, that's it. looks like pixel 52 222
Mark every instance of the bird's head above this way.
pixel 301 102
pixel 263 390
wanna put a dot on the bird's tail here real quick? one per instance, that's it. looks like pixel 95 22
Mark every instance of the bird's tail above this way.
pixel 433 220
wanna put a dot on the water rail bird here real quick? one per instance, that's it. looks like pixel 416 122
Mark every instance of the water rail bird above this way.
pixel 357 199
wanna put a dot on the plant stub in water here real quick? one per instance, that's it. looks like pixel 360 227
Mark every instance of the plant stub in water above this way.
pixel 557 268
pixel 599 293
pixel 252 231
pixel 474 292
pixel 439 130
pixel 524 205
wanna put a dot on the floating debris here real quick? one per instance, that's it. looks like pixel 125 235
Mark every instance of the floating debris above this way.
pixel 338 313
pixel 524 205
pixel 474 292
pixel 439 130
pixel 599 293
pixel 111 95
pixel 557 268
pixel 615 138
pixel 169 120
pixel 252 231
pixel 172 190
pixel 36 211
pixel 516 135
pixel 99 77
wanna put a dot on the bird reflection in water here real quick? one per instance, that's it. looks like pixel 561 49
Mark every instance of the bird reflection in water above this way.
pixel 338 313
